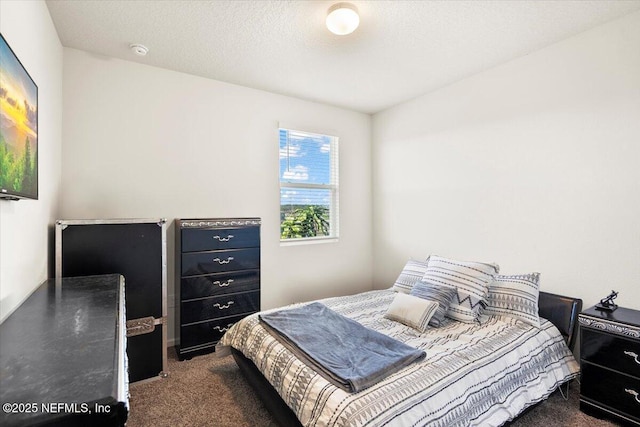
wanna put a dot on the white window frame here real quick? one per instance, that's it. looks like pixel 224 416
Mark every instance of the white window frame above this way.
pixel 333 187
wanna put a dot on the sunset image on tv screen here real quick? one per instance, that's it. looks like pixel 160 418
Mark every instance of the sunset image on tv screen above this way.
pixel 18 127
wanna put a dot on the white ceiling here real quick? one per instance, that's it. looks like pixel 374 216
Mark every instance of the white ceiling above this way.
pixel 401 50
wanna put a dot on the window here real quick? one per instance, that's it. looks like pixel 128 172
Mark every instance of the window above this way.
pixel 308 185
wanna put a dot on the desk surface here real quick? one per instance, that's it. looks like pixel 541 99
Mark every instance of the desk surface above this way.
pixel 61 347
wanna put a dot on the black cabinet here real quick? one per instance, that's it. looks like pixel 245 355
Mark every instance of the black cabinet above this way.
pixel 217 279
pixel 610 364
pixel 62 355
pixel 135 248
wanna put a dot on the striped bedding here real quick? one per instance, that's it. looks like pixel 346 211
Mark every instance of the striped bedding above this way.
pixel 473 375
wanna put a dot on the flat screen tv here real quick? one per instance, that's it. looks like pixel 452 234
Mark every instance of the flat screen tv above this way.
pixel 18 128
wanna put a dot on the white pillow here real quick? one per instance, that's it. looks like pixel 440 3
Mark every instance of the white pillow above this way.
pixel 515 296
pixel 410 275
pixel 470 279
pixel 411 311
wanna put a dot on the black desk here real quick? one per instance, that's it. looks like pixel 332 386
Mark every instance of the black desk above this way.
pixel 62 355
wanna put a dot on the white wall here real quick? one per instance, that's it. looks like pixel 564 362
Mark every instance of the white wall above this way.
pixel 143 142
pixel 533 164
pixel 25 225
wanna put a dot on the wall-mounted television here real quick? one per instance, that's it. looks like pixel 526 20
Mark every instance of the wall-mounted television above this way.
pixel 18 128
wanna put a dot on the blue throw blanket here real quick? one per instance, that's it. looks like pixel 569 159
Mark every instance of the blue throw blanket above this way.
pixel 343 351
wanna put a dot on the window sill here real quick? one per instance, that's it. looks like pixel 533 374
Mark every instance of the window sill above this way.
pixel 308 241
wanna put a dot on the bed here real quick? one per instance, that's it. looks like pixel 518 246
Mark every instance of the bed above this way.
pixel 451 343
pixel 474 374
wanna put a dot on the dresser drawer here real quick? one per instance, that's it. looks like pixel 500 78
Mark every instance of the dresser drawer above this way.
pixel 606 388
pixel 197 263
pixel 207 239
pixel 611 351
pixel 206 332
pixel 219 284
pixel 214 307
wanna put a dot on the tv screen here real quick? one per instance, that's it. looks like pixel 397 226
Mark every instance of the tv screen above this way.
pixel 18 128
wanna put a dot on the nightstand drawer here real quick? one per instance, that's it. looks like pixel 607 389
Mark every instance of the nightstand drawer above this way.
pixel 204 239
pixel 228 305
pixel 220 284
pixel 206 332
pixel 196 263
pixel 611 351
pixel 610 389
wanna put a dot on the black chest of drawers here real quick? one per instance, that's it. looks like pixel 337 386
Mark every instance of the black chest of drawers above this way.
pixel 217 279
pixel 610 364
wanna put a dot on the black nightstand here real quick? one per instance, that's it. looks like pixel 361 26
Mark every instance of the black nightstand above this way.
pixel 610 363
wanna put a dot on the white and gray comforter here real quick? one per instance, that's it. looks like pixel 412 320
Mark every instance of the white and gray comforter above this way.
pixel 473 375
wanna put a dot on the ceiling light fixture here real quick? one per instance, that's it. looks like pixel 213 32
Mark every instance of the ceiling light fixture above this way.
pixel 342 19
pixel 139 49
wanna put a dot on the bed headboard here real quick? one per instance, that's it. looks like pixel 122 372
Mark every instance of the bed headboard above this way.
pixel 563 312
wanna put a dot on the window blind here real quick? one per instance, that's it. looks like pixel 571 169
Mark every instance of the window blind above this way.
pixel 308 185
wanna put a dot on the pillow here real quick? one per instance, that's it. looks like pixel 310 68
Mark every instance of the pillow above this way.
pixel 440 294
pixel 471 281
pixel 410 274
pixel 412 311
pixel 515 296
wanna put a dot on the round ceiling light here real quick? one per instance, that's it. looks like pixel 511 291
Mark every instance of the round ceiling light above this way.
pixel 139 49
pixel 342 19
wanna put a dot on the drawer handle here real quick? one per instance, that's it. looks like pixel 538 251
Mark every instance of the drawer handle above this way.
pixel 225 329
pixel 223 239
pixel 223 306
pixel 633 393
pixel 223 285
pixel 632 354
pixel 223 261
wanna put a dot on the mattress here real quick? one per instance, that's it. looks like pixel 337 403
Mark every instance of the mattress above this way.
pixel 473 374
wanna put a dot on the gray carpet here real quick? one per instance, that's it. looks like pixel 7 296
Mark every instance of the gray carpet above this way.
pixel 209 391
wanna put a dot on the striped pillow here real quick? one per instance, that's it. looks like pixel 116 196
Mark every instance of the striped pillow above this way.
pixel 411 311
pixel 515 296
pixel 440 294
pixel 411 273
pixel 470 279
